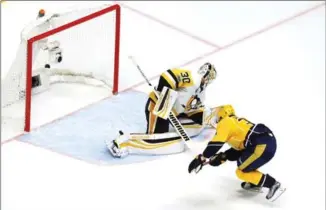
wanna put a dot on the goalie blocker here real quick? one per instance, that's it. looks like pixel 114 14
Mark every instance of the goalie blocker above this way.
pixel 165 103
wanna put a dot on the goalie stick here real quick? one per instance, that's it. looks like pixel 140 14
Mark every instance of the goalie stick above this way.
pixel 173 119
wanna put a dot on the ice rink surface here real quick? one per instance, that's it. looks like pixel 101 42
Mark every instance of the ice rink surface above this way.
pixel 270 58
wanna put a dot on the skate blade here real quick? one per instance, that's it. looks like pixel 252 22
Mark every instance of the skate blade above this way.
pixel 109 146
pixel 111 151
pixel 278 193
pixel 255 190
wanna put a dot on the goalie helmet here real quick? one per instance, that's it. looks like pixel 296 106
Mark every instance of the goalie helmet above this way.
pixel 224 111
pixel 208 73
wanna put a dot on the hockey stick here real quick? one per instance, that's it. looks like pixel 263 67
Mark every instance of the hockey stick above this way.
pixel 173 119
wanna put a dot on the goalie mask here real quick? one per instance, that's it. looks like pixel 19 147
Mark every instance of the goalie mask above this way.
pixel 208 73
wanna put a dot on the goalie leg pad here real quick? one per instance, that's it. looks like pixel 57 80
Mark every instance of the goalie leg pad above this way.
pixel 192 128
pixel 165 103
pixel 196 115
pixel 155 124
pixel 154 144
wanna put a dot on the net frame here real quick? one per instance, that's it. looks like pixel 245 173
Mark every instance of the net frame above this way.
pixel 31 41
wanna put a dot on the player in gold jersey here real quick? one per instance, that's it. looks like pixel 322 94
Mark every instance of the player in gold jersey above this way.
pixel 252 146
pixel 160 137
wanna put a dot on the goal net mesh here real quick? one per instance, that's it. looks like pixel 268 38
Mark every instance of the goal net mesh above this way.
pixel 89 50
pixel 84 52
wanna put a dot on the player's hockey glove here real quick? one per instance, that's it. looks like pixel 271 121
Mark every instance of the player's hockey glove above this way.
pixel 197 164
pixel 217 159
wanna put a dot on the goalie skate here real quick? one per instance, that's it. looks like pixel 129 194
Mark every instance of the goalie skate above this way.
pixel 114 149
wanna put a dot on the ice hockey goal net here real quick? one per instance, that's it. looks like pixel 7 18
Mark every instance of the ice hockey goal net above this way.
pixel 81 45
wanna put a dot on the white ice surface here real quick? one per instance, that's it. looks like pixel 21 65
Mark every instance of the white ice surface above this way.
pixel 284 72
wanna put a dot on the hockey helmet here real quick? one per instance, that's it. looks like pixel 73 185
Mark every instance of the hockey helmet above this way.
pixel 224 111
pixel 208 73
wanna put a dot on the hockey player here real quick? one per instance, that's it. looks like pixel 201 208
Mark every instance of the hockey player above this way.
pixel 252 146
pixel 180 91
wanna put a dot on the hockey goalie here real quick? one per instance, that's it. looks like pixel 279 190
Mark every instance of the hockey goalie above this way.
pixel 179 91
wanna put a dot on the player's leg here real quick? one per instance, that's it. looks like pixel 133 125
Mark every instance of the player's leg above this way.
pixel 154 144
pixel 156 141
pixel 155 124
pixel 196 116
pixel 260 151
pixel 159 138
pixel 255 156
pixel 192 122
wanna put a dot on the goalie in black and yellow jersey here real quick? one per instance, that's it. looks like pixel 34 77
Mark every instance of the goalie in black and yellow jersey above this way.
pixel 180 91
pixel 252 146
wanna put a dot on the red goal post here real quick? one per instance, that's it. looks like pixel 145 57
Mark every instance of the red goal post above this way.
pixel 31 41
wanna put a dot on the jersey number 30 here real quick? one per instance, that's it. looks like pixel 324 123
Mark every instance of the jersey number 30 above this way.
pixel 185 77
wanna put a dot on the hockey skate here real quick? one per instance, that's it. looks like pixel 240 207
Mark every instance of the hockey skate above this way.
pixel 275 192
pixel 113 147
pixel 251 187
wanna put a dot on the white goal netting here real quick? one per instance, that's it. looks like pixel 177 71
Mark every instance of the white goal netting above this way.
pixel 83 53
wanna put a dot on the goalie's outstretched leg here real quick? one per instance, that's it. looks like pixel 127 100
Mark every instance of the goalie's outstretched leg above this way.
pixel 160 137
pixel 146 144
pixel 155 124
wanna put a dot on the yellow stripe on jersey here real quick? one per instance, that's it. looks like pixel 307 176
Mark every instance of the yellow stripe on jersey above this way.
pixel 171 79
pixel 259 150
pixel 153 97
pixel 178 78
